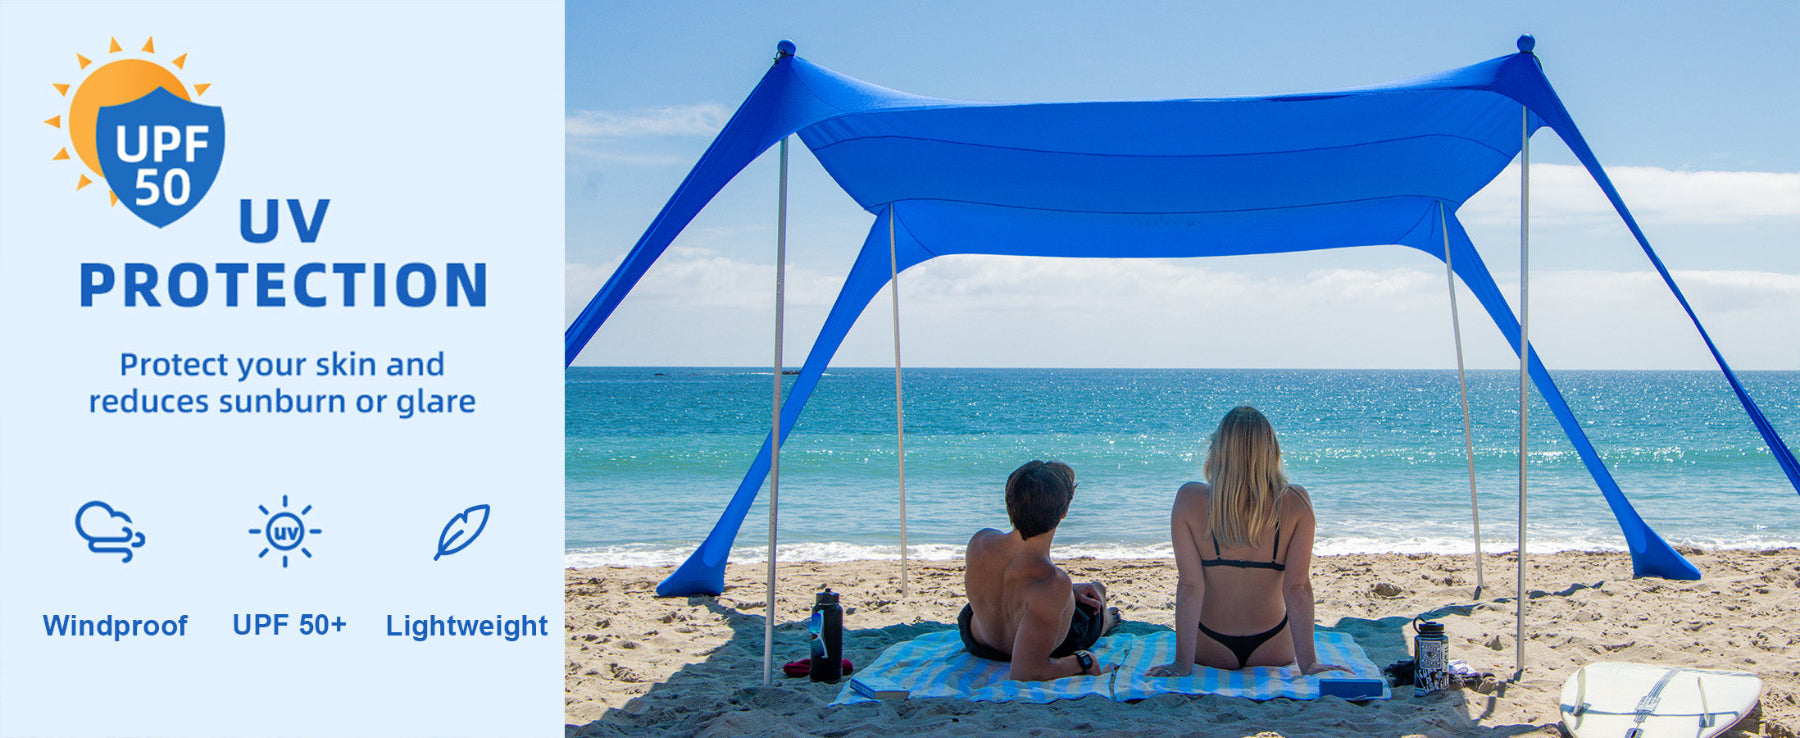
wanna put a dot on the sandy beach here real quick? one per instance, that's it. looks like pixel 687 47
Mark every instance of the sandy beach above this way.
pixel 642 665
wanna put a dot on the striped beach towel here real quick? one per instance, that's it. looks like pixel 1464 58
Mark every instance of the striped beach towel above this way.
pixel 935 665
pixel 1256 682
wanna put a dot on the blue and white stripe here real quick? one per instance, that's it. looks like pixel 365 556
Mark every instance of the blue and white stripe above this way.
pixel 935 665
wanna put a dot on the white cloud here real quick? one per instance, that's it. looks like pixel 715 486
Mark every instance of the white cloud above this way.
pixel 690 278
pixel 577 153
pixel 1331 285
pixel 1729 291
pixel 1013 283
pixel 1563 193
pixel 699 307
pixel 704 119
pixel 1720 297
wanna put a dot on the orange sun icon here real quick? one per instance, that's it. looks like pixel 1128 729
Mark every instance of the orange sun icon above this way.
pixel 120 80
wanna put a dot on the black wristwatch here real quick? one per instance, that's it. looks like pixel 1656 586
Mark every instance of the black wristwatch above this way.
pixel 1086 660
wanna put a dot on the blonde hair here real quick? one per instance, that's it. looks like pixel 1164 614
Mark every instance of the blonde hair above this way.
pixel 1243 467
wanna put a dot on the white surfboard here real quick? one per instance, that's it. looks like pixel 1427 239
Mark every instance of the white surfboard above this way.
pixel 1619 700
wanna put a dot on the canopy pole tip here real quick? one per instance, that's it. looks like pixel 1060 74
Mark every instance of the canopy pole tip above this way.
pixel 784 48
pixel 1526 43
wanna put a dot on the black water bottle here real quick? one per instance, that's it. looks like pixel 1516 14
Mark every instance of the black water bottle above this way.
pixel 827 628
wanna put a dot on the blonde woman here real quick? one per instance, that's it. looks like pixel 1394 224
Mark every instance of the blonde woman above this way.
pixel 1243 548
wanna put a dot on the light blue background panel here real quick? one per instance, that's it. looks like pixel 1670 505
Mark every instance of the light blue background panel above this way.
pixel 436 134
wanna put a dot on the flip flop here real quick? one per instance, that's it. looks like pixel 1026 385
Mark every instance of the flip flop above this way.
pixel 803 667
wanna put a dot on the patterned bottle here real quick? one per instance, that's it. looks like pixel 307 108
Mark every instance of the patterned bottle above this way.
pixel 1431 657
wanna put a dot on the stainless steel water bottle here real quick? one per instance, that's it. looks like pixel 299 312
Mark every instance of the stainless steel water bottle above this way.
pixel 1431 657
pixel 827 630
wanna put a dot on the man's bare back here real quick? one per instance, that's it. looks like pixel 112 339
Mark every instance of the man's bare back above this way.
pixel 1022 608
pixel 1005 580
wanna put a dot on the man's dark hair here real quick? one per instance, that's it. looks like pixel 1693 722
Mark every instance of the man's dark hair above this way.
pixel 1038 495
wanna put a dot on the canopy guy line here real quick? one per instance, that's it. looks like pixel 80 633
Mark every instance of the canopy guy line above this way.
pixel 1462 383
pixel 899 395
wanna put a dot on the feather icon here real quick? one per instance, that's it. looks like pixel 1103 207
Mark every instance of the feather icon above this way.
pixel 462 530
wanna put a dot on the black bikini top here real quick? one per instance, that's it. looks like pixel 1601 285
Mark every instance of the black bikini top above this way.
pixel 1270 564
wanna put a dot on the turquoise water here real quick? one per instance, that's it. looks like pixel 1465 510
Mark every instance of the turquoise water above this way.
pixel 653 454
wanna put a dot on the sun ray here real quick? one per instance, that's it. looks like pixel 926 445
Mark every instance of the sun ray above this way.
pixel 77 121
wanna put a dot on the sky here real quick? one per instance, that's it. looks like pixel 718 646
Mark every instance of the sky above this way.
pixel 1690 107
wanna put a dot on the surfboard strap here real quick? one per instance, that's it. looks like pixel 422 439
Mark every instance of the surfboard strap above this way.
pixel 1647 706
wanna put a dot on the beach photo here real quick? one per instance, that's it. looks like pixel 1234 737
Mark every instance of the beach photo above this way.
pixel 1254 281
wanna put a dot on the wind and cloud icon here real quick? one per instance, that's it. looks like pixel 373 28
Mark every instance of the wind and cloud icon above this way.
pixel 107 530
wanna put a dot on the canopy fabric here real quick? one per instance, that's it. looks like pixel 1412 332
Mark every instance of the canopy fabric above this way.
pixel 1384 164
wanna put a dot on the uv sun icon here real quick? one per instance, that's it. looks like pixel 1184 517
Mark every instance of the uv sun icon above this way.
pixel 160 152
pixel 284 531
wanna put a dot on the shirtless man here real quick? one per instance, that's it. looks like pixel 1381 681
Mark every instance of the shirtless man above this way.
pixel 1022 608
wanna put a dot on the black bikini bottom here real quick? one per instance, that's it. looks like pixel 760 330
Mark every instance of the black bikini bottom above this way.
pixel 1243 646
pixel 1085 628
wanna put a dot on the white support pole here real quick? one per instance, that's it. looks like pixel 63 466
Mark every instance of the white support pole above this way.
pixel 775 435
pixel 1524 364
pixel 899 404
pixel 1462 382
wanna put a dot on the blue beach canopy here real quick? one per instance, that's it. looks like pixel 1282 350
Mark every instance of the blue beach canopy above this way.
pixel 1384 164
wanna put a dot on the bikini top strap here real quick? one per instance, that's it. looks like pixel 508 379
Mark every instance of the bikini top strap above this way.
pixel 1274 551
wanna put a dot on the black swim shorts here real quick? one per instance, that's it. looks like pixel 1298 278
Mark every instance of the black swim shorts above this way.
pixel 1085 628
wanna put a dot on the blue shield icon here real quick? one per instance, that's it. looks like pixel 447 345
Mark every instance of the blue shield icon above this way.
pixel 160 153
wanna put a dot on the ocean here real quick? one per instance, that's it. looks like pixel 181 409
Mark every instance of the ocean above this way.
pixel 653 454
